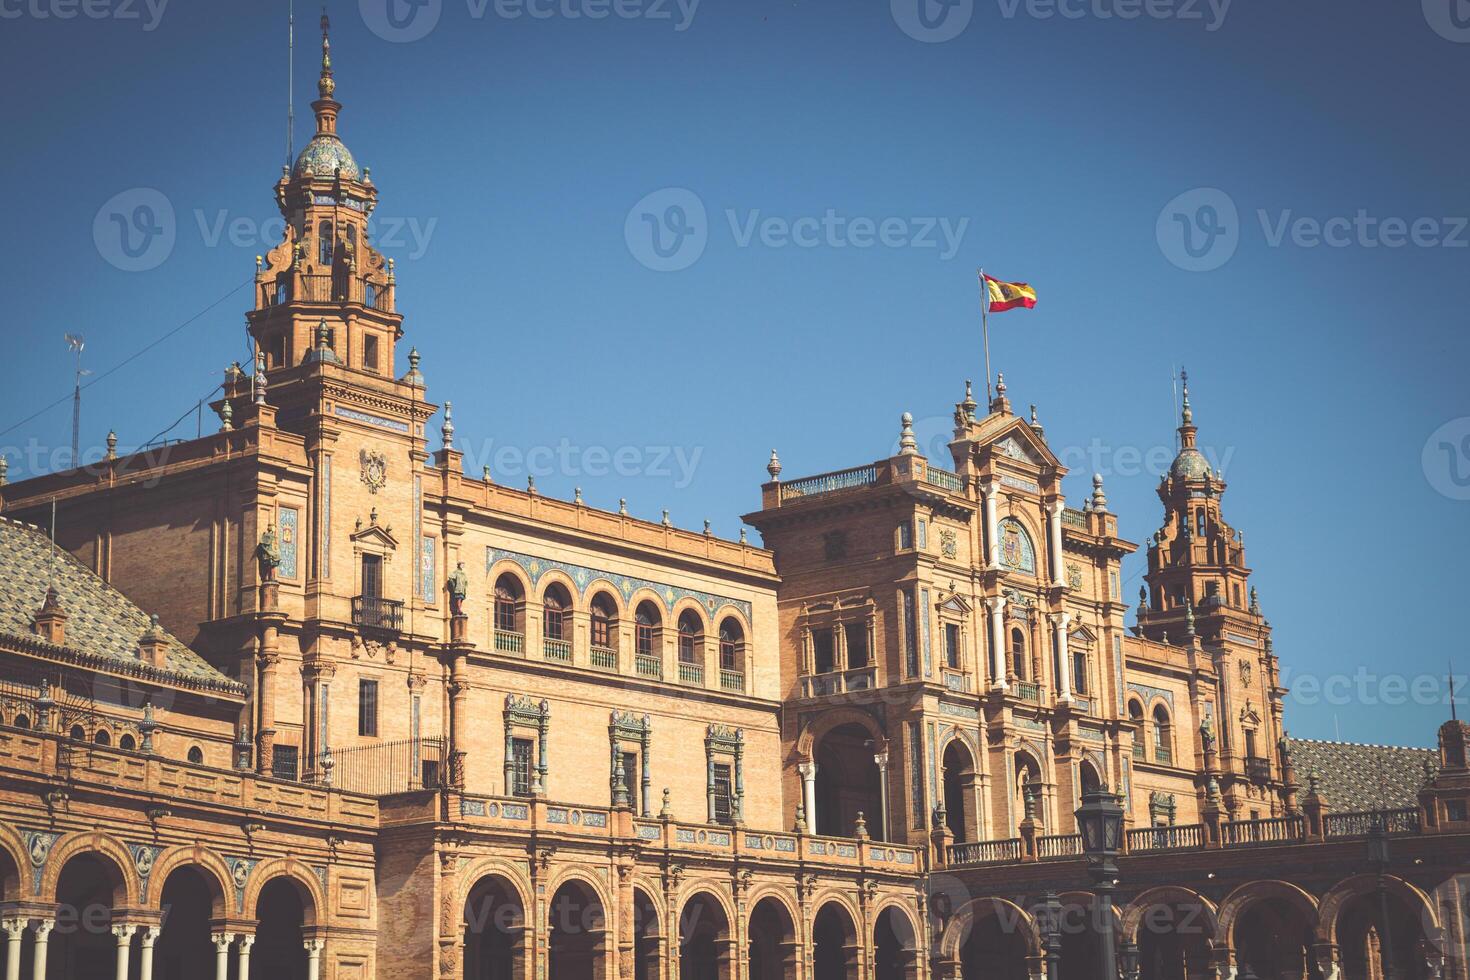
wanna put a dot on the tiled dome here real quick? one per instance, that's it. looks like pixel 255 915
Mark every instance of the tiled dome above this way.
pixel 324 156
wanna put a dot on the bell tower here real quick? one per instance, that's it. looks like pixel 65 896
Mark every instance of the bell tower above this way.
pixel 324 289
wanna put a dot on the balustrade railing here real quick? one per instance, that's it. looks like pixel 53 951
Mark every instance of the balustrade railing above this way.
pixel 375 612
pixel 558 650
pixel 985 851
pixel 1028 691
pixel 1171 838
pixel 732 680
pixel 811 486
pixel 506 642
pixel 691 673
pixel 1266 830
pixel 648 665
pixel 1359 823
pixel 604 658
pixel 1059 846
pixel 943 479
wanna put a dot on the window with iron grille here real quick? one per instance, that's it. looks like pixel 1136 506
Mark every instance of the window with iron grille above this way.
pixel 283 761
pixel 367 708
pixel 723 808
pixel 522 752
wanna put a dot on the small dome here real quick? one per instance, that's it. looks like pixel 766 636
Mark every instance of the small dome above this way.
pixel 323 157
pixel 1190 465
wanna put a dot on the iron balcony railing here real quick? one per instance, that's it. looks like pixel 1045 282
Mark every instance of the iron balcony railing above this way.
pixel 391 767
pixel 375 612
pixel 1257 769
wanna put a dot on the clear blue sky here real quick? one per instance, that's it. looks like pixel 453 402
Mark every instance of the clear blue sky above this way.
pixel 516 148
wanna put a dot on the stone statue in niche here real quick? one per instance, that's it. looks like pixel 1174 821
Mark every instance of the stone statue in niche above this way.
pixel 458 587
pixel 268 554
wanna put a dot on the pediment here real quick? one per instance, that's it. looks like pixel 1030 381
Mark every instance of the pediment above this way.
pixel 1019 442
pixel 374 534
pixel 955 604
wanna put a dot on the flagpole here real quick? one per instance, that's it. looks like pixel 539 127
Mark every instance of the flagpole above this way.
pixel 985 335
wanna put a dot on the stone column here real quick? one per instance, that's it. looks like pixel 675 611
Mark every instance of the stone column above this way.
pixel 222 941
pixel 808 771
pixel 992 528
pixel 147 936
pixel 459 690
pixel 881 761
pixel 1054 524
pixel 242 956
pixel 15 930
pixel 38 957
pixel 314 958
pixel 997 607
pixel 124 935
pixel 1064 665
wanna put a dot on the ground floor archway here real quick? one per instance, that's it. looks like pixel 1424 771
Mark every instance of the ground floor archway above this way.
pixel 895 946
pixel 184 949
pixel 279 952
pixel 773 949
pixel 834 944
pixel 82 945
pixel 494 931
pixel 576 939
pixel 705 943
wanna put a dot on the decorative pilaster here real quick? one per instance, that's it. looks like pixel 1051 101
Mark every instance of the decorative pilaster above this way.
pixel 1064 657
pixel 997 606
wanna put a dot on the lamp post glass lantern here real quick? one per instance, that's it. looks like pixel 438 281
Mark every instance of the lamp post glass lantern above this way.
pixel 1100 821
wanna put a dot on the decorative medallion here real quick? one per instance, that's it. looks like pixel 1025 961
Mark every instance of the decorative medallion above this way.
pixel 1015 547
pixel 949 543
pixel 374 470
pixel 1074 576
pixel 241 873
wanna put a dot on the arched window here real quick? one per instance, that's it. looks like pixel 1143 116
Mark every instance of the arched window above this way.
pixel 102 738
pixel 509 604
pixel 1018 652
pixel 1135 715
pixel 370 296
pixel 1163 737
pixel 604 622
pixel 648 622
pixel 691 638
pixel 127 742
pixel 556 613
pixel 1090 780
pixel 1079 672
pixel 732 645
pixel 1028 783
pixel 77 734
pixel 196 755
pixel 21 721
pixel 324 243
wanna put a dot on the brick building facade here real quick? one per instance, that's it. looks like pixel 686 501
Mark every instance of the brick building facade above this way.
pixel 393 720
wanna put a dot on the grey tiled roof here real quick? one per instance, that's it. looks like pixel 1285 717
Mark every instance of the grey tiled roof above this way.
pixel 1361 777
pixel 102 625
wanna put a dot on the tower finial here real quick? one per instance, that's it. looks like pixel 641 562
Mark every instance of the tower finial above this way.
pixel 326 85
pixel 1186 415
pixel 907 444
pixel 447 429
pixel 969 404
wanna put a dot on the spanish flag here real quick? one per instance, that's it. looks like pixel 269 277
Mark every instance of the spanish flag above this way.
pixel 1008 295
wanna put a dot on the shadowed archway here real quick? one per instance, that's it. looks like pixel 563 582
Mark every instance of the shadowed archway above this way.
pixel 576 941
pixel 773 948
pixel 706 949
pixel 494 931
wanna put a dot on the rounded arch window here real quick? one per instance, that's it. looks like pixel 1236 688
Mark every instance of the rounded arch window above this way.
pixel 21 721
pixel 77 734
pixel 510 604
pixel 1018 652
pixel 604 622
pixel 732 645
pixel 556 612
pixel 196 755
pixel 691 637
pixel 127 742
pixel 1163 744
pixel 647 623
pixel 102 737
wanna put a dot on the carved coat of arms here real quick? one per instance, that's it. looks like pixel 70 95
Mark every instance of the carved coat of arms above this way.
pixel 374 470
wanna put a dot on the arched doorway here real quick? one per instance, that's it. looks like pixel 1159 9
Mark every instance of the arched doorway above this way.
pixel 847 783
pixel 578 927
pixel 895 947
pixel 994 948
pixel 494 931
pixel 1361 935
pixel 1273 941
pixel 183 950
pixel 1173 939
pixel 82 944
pixel 704 940
pixel 283 911
pixel 646 937
pixel 773 949
pixel 834 944
pixel 959 792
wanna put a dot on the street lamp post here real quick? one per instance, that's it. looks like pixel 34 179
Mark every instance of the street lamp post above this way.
pixel 1378 858
pixel 1100 820
pixel 1053 936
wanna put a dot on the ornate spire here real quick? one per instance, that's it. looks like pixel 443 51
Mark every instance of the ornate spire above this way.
pixel 414 376
pixel 969 404
pixel 447 429
pixel 907 444
pixel 326 86
pixel 1099 499
pixel 1186 416
pixel 1036 424
pixel 774 467
pixel 327 106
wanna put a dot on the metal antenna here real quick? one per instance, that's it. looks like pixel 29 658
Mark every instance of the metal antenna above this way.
pixel 51 569
pixel 290 81
pixel 1453 715
pixel 75 343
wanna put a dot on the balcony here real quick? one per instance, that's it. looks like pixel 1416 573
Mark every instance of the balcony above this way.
pixel 820 685
pixel 649 665
pixel 604 658
pixel 1171 838
pixel 1257 770
pixel 692 674
pixel 512 643
pixel 375 613
pixel 557 650
pixel 732 680
pixel 1028 691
